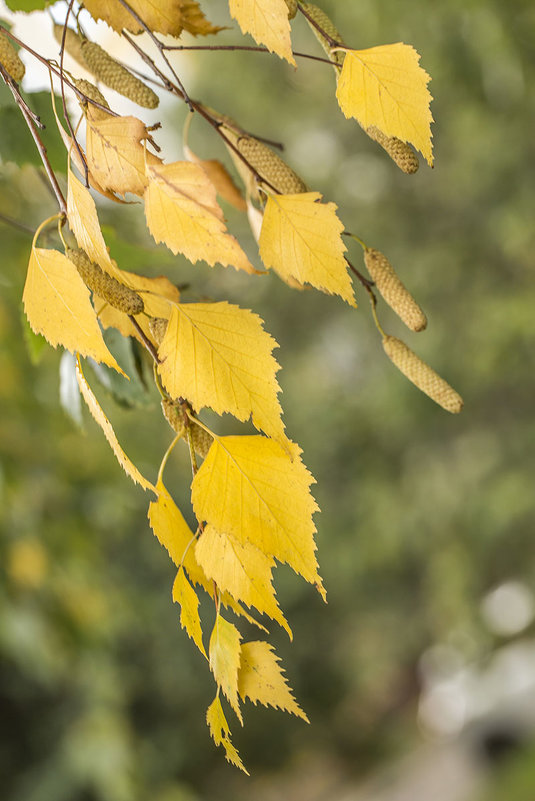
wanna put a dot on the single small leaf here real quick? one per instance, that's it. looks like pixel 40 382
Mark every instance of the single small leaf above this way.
pixel 267 22
pixel 250 487
pixel 115 155
pixel 185 595
pixel 241 569
pixel 224 653
pixel 57 305
pixel 160 16
pixel 385 87
pixel 260 678
pixel 100 418
pixel 301 239
pixel 220 732
pixel 218 355
pixel 83 222
pixel 182 211
pixel 220 178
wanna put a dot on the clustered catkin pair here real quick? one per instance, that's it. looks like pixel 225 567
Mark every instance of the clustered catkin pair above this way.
pixel 10 59
pixel 201 438
pixel 91 56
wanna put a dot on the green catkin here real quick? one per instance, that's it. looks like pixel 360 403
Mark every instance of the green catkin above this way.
pixel 175 417
pixel 117 77
pixel 90 91
pixel 292 8
pixel 400 152
pixel 73 43
pixel 422 375
pixel 105 286
pixel 393 290
pixel 325 23
pixel 10 59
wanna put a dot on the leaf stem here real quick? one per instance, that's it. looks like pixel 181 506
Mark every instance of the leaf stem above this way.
pixel 146 341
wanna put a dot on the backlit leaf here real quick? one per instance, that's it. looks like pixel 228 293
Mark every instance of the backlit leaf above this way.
pixel 220 178
pixel 260 678
pixel 220 732
pixel 57 305
pixel 218 355
pixel 185 595
pixel 301 239
pixel 100 418
pixel 161 16
pixel 385 87
pixel 267 22
pixel 182 211
pixel 83 222
pixel 225 659
pixel 242 569
pixel 250 487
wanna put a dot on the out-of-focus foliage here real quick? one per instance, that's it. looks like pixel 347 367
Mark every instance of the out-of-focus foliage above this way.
pixel 422 513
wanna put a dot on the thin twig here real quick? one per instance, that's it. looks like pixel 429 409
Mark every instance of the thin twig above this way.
pixel 245 48
pixel 146 341
pixel 16 224
pixel 332 42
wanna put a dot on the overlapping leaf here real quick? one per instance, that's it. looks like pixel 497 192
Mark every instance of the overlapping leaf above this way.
pixel 160 16
pixel 218 355
pixel 219 729
pixel 242 569
pixel 267 22
pixel 252 488
pixel 83 222
pixel 100 418
pixel 260 679
pixel 385 87
pixel 182 211
pixel 57 305
pixel 224 654
pixel 185 595
pixel 301 240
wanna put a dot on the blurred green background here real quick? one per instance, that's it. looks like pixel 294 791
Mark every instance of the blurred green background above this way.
pixel 420 671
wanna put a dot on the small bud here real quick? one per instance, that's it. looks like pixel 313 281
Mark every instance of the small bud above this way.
pixel 422 375
pixel 393 291
pixel 118 295
pixel 117 77
pixel 400 152
pixel 10 59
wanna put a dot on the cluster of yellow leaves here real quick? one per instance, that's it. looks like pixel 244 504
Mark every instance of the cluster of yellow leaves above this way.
pixel 251 495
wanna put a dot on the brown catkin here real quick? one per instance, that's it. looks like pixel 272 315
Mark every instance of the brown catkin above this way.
pixel 158 327
pixel 105 286
pixel 175 417
pixel 117 77
pixel 292 8
pixel 201 440
pixel 393 291
pixel 10 59
pixel 73 43
pixel 422 375
pixel 325 23
pixel 400 152
pixel 90 91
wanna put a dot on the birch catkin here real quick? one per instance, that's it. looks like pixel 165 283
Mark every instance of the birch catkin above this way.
pixel 10 59
pixel 292 8
pixel 400 152
pixel 118 295
pixel 422 375
pixel 393 291
pixel 175 417
pixel 73 43
pixel 327 26
pixel 117 77
pixel 158 327
pixel 90 91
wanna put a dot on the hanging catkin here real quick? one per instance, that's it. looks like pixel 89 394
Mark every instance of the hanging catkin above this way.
pixel 393 291
pixel 400 152
pixel 90 91
pixel 422 375
pixel 73 43
pixel 105 286
pixel 117 77
pixel 175 417
pixel 327 26
pixel 10 59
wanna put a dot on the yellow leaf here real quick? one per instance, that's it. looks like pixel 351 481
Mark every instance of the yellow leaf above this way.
pixel 218 355
pixel 241 569
pixel 83 222
pixel 161 16
pixel 385 87
pixel 267 22
pixel 182 211
pixel 115 155
pixel 301 239
pixel 100 418
pixel 57 305
pixel 220 732
pixel 260 679
pixel 224 653
pixel 251 488
pixel 185 595
pixel 175 535
pixel 220 178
